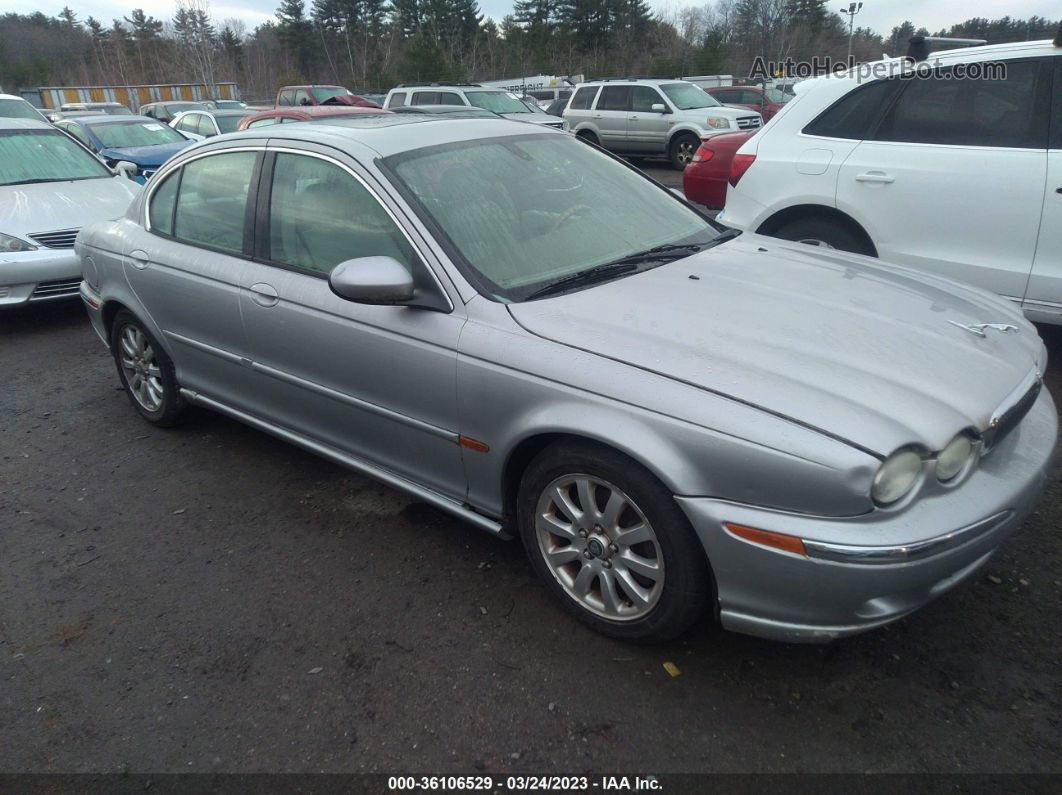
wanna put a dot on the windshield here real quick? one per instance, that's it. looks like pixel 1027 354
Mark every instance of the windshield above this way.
pixel 229 122
pixel 776 96
pixel 538 208
pixel 230 104
pixel 130 134
pixel 116 110
pixel 181 107
pixel 329 92
pixel 497 101
pixel 18 109
pixel 45 156
pixel 687 96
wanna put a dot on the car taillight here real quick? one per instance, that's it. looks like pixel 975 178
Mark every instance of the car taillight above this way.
pixel 702 154
pixel 739 165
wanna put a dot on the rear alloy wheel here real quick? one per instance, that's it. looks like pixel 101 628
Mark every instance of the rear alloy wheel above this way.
pixel 823 233
pixel 683 148
pixel 611 543
pixel 146 371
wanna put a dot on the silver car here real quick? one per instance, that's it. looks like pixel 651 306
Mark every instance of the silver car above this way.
pixel 527 333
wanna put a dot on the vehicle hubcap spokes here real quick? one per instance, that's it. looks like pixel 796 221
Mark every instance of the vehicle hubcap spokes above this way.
pixel 600 547
pixel 685 153
pixel 142 371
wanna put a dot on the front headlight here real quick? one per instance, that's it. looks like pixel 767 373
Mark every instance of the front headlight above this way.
pixel 717 123
pixel 952 459
pixel 10 245
pixel 896 477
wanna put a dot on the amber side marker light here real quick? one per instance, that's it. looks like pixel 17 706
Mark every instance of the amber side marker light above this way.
pixel 766 538
pixel 473 444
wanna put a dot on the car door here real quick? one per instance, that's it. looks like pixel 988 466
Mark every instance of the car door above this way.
pixel 1044 293
pixel 373 382
pixel 646 128
pixel 610 116
pixel 952 179
pixel 186 264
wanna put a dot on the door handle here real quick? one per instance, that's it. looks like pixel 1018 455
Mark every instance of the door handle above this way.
pixel 1058 190
pixel 138 259
pixel 264 294
pixel 875 176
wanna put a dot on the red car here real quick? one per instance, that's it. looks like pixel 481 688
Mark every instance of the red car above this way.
pixel 307 96
pixel 765 102
pixel 308 113
pixel 705 179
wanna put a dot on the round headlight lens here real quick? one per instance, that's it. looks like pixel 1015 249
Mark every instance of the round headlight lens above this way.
pixel 897 476
pixel 952 459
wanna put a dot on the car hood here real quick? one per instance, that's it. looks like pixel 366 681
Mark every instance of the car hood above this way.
pixel 861 351
pixel 145 155
pixel 52 206
pixel 728 111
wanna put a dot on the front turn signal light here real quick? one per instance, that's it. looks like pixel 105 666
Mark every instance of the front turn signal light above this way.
pixel 765 538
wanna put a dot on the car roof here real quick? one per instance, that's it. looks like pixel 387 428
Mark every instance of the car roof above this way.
pixel 392 134
pixel 26 124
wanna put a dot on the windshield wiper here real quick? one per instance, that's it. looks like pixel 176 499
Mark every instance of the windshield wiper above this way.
pixel 599 273
pixel 29 181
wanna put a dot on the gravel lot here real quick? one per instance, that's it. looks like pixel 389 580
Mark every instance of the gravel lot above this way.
pixel 211 599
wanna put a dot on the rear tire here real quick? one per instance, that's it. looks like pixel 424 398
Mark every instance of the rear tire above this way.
pixel 611 543
pixel 683 147
pixel 824 233
pixel 146 372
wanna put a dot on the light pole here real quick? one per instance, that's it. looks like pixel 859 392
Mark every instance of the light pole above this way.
pixel 850 12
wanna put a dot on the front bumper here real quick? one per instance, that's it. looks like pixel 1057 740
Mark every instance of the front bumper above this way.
pixel 42 275
pixel 865 571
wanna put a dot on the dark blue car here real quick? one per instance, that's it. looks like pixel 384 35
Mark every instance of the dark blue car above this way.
pixel 138 139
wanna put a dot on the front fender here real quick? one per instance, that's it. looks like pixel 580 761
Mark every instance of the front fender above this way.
pixel 514 387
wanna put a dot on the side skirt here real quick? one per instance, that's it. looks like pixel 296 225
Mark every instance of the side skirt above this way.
pixel 440 501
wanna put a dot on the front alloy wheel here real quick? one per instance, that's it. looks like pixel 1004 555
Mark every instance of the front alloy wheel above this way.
pixel 600 547
pixel 611 543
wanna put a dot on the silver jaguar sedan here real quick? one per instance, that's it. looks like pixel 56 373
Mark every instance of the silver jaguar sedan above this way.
pixel 521 330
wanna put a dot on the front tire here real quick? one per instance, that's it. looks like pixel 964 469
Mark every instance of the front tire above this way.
pixel 683 148
pixel 611 543
pixel 146 371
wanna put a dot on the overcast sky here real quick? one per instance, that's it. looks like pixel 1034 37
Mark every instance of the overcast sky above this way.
pixel 879 15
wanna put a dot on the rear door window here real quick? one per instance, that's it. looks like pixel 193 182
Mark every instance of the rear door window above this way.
pixel 424 98
pixel 448 98
pixel 212 201
pixel 614 98
pixel 1000 111
pixel 302 97
pixel 286 97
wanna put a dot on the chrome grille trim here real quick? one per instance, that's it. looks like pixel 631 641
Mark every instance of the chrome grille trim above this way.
pixel 59 288
pixel 748 122
pixel 61 239
pixel 1012 410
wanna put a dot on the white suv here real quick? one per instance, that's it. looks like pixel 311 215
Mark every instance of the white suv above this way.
pixel 958 175
pixel 643 116
pixel 497 100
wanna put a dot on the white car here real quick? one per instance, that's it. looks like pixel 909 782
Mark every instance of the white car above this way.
pixel 647 116
pixel 197 125
pixel 12 107
pixel 475 95
pixel 959 177
pixel 50 186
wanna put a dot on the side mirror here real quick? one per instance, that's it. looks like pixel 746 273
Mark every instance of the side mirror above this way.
pixel 372 280
pixel 658 107
pixel 125 168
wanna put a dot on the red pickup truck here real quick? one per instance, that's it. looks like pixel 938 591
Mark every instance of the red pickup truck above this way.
pixel 297 96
